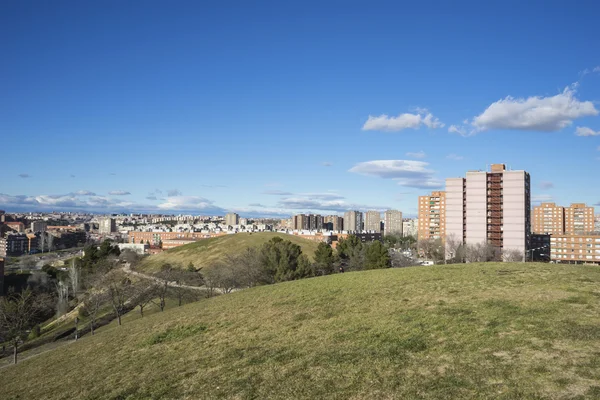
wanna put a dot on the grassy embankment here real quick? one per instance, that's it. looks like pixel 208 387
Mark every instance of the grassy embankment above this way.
pixel 500 331
pixel 206 252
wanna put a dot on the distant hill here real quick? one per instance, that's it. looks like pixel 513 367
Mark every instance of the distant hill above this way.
pixel 205 252
pixel 474 331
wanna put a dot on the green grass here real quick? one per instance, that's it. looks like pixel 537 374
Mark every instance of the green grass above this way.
pixel 205 252
pixel 475 331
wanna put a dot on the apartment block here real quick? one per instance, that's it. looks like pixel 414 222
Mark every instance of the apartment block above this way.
pixel 333 223
pixel 307 222
pixel 410 226
pixel 490 207
pixel 38 226
pixel 353 221
pixel 575 249
pixel 1 276
pixel 232 219
pixel 373 221
pixel 107 226
pixel 579 219
pixel 392 222
pixel 432 216
pixel 548 218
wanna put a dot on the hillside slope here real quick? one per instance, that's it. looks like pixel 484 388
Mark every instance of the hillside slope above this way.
pixel 501 331
pixel 207 251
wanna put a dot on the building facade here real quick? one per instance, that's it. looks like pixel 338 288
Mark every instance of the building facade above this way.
pixel 373 221
pixel 432 216
pixel 307 222
pixel 548 218
pixel 333 223
pixel 490 207
pixel 1 276
pixel 392 222
pixel 575 249
pixel 38 226
pixel 232 219
pixel 579 219
pixel 106 226
pixel 410 227
pixel 353 221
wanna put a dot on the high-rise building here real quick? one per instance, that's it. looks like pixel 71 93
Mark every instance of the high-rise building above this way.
pixel 392 222
pixel 490 207
pixel 38 226
pixel 1 276
pixel 579 219
pixel 308 222
pixel 107 226
pixel 353 221
pixel 548 218
pixel 244 221
pixel 410 227
pixel 432 216
pixel 575 248
pixel 232 219
pixel 333 223
pixel 373 221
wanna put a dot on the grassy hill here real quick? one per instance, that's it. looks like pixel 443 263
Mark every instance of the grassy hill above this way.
pixel 495 331
pixel 205 252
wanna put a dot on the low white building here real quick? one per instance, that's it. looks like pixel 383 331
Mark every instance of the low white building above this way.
pixel 136 247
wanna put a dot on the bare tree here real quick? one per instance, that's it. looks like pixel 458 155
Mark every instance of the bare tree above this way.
pixel 223 276
pixel 479 252
pixel 512 255
pixel 431 249
pixel 18 314
pixel 164 277
pixel 92 304
pixel 455 249
pixel 143 293
pixel 249 267
pixel 74 277
pixel 399 260
pixel 119 291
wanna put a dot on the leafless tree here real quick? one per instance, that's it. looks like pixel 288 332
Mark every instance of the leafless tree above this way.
pixel 512 255
pixel 455 249
pixel 74 277
pixel 143 293
pixel 249 267
pixel 165 276
pixel 479 252
pixel 92 304
pixel 399 260
pixel 18 314
pixel 431 249
pixel 119 290
pixel 223 276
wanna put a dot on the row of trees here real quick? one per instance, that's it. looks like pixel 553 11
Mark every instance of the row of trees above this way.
pixel 455 251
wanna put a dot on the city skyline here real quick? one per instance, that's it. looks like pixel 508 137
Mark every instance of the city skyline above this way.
pixel 205 118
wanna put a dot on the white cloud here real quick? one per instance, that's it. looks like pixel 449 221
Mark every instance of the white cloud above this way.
pixel 84 193
pixel 545 114
pixel 461 130
pixel 277 193
pixel 408 173
pixel 585 131
pixel 173 193
pixel 402 121
pixel 327 164
pixel 119 193
pixel 418 154
pixel 187 203
pixel 541 198
pixel 596 69
pixel 454 157
pixel 546 185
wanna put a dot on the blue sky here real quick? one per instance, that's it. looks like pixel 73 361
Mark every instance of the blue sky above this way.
pixel 274 108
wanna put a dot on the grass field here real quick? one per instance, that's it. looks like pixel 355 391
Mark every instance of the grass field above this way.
pixel 475 331
pixel 205 252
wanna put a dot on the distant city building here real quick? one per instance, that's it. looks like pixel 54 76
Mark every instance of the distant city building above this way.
pixel 2 216
pixel 410 227
pixel 16 244
pixel 38 226
pixel 333 223
pixel 244 221
pixel 232 219
pixel 353 221
pixel 139 248
pixel 577 219
pixel 373 221
pixel 575 249
pixel 309 222
pixel 1 276
pixel 392 222
pixel 107 226
pixel 490 207
pixel 16 226
pixel 432 216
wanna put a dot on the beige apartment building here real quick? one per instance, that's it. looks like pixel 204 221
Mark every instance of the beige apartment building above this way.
pixel 353 221
pixel 232 219
pixel 548 218
pixel 432 216
pixel 373 221
pixel 577 219
pixel 392 222
pixel 490 207
pixel 575 249
pixel 334 222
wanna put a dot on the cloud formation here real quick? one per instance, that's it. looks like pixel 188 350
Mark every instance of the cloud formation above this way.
pixel 418 154
pixel 277 193
pixel 326 164
pixel 407 173
pixel 173 193
pixel 84 193
pixel 402 121
pixel 536 113
pixel 189 203
pixel 546 185
pixel 460 129
pixel 24 176
pixel 119 193
pixel 585 131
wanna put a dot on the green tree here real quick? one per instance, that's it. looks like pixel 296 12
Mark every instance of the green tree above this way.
pixel 324 259
pixel 350 253
pixel 281 260
pixel 376 256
